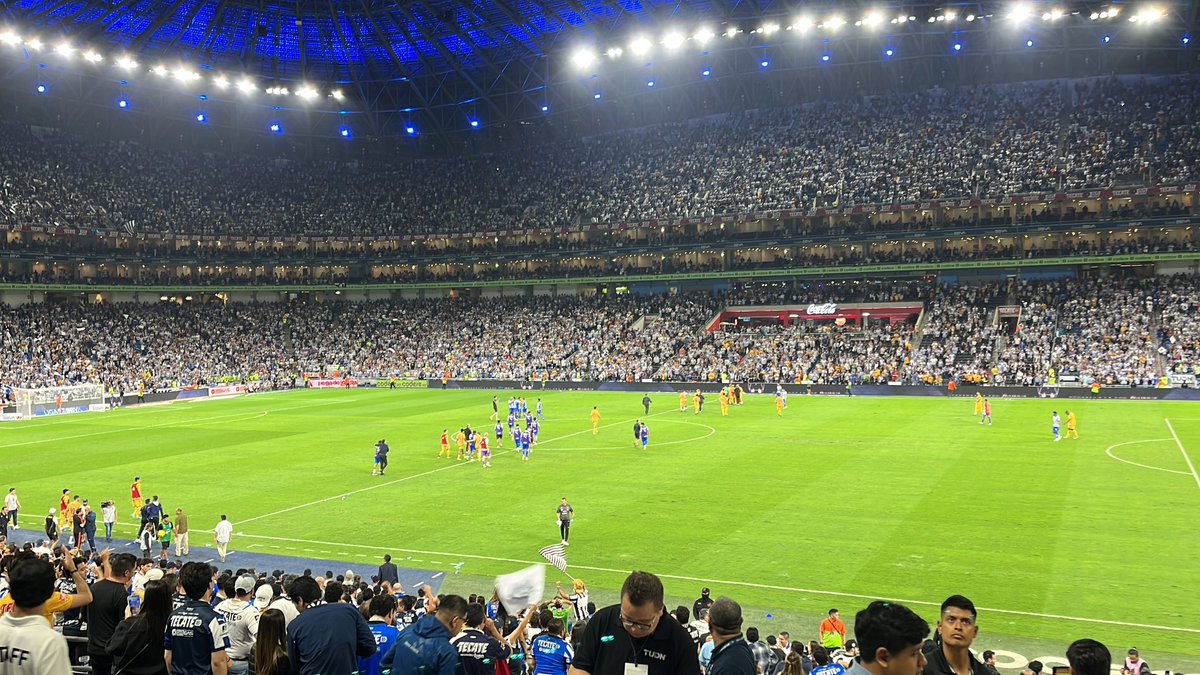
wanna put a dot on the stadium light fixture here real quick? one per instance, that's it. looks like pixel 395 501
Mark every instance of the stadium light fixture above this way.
pixel 1149 15
pixel 545 108
pixel 673 40
pixel 337 95
pixel 160 70
pixel 221 82
pixel 640 46
pixel 276 128
pixel 64 49
pixel 126 63
pixel 34 44
pixel 958 46
pixel 583 58
pixel 825 58
pixel 306 92
pixel 92 57
pixel 764 64
pixel 10 37
pixel 246 85
pixel 1020 12
pixel 703 35
pixel 344 132
pixel 650 84
pixel 596 96
pixel 950 15
pixel 185 74
pixel 706 72
pixel 732 32
pixel 889 52
pixel 122 104
pixel 614 52
pixel 474 124
pixel 1185 40
pixel 1106 39
pixel 970 17
pixel 872 19
pixel 41 89
pixel 835 22
pixel 201 117
pixel 770 28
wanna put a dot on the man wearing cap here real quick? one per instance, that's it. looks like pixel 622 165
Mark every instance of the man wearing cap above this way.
pixel 703 602
pixel 636 637
pixel 730 655
pixel 239 614
pixel 957 629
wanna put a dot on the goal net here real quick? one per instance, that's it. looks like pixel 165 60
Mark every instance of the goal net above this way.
pixel 58 400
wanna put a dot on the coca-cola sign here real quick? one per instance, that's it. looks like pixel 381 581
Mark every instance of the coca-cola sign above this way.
pixel 827 308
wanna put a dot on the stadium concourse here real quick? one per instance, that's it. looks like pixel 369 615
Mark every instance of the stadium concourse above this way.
pixel 1115 329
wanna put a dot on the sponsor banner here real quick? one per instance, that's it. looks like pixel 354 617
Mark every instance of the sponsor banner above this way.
pixel 70 410
pixel 228 390
pixel 332 384
pixel 1008 310
pixel 403 384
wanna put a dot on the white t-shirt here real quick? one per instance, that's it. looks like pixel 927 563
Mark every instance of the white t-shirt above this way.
pixel 45 650
pixel 238 617
pixel 224 531
pixel 110 513
pixel 287 607
pixel 10 502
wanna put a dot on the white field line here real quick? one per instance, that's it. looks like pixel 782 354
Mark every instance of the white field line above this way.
pixel 172 423
pixel 408 478
pixel 726 582
pixel 1182 450
pixel 1110 449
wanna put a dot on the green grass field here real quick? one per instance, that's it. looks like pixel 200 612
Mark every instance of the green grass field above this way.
pixel 838 501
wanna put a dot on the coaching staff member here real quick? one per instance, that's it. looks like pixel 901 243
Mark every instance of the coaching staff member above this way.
pixel 636 637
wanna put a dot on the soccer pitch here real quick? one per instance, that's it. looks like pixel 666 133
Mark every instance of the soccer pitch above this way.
pixel 837 501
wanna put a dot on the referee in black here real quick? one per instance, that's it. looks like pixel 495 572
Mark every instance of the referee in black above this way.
pixel 565 515
pixel 637 432
pixel 646 403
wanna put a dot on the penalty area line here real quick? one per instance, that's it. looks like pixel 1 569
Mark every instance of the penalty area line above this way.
pixel 745 584
pixel 1186 458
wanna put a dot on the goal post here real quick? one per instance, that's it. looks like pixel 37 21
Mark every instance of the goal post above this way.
pixel 66 400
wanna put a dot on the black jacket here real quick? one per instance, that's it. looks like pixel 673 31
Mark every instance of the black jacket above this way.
pixel 733 658
pixel 388 573
pixel 133 651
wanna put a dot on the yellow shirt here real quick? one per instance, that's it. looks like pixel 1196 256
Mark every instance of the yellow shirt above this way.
pixel 1071 421
pixel 595 416
pixel 59 602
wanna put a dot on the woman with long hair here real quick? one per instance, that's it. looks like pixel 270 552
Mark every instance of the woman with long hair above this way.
pixel 136 646
pixel 269 656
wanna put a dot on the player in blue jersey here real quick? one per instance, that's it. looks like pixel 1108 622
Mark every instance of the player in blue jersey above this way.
pixel 534 428
pixel 499 434
pixel 539 410
pixel 524 406
pixel 551 653
pixel 382 609
pixel 524 445
pixel 1055 424
pixel 528 420
pixel 512 406
pixel 472 440
pixel 645 436
pixel 512 422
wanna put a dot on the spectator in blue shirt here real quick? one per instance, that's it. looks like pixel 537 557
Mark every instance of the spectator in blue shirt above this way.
pixel 551 652
pixel 325 639
pixel 382 609
pixel 195 640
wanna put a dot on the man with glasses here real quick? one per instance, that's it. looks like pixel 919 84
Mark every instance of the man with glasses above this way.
pixel 636 637
pixel 957 629
pixel 425 646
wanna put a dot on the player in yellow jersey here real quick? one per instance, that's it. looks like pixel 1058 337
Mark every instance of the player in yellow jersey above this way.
pixel 779 406
pixel 724 404
pixel 1071 431
pixel 683 401
pixel 697 401
pixel 445 452
pixel 460 439
pixel 978 404
pixel 595 421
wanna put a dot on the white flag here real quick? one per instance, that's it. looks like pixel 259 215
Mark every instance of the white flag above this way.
pixel 521 589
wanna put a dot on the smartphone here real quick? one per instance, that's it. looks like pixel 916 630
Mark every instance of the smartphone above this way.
pixel 135 604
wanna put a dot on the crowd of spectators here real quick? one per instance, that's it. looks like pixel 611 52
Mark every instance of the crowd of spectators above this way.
pixel 1118 330
pixel 125 614
pixel 899 148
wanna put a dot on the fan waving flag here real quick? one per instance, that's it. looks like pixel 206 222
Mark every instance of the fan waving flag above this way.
pixel 556 555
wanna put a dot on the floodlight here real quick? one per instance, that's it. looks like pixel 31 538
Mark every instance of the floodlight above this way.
pixel 673 40
pixel 640 46
pixel 126 63
pixel 583 57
